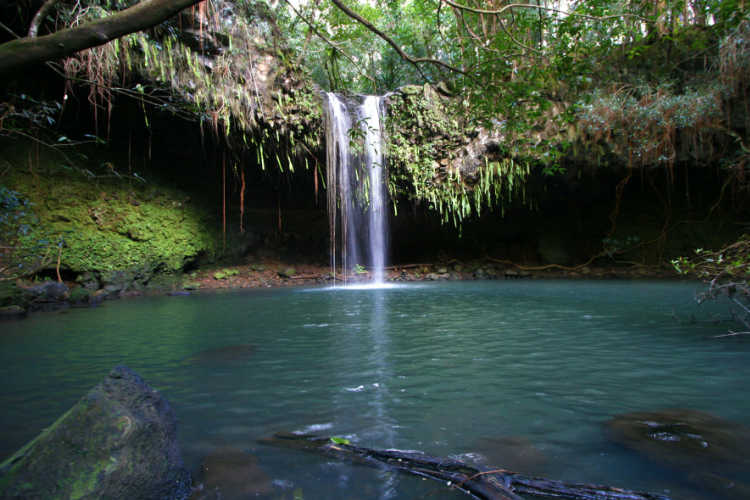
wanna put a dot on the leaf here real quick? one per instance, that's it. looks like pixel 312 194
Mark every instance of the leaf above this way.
pixel 339 440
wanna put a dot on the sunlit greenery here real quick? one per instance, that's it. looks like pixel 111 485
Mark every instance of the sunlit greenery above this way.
pixel 644 84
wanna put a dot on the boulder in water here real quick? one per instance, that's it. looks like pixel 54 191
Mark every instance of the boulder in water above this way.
pixel 230 473
pixel 711 452
pixel 47 292
pixel 679 436
pixel 117 442
pixel 515 453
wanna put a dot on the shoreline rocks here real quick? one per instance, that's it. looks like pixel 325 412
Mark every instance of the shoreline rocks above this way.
pixel 264 273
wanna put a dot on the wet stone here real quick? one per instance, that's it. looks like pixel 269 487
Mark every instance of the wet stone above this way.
pixel 711 452
pixel 118 442
pixel 516 453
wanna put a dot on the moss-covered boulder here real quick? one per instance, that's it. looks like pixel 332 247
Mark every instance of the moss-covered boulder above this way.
pixel 47 292
pixel 287 272
pixel 117 442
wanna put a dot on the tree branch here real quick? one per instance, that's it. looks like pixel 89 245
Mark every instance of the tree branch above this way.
pixel 480 483
pixel 39 17
pixel 330 42
pixel 26 51
pixel 415 61
pixel 511 6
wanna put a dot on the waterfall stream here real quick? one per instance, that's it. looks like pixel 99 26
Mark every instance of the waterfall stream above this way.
pixel 356 185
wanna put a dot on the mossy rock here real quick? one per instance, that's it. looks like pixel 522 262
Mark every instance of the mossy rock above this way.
pixel 191 285
pixel 105 224
pixel 79 296
pixel 117 442
pixel 225 273
pixel 711 452
pixel 10 294
pixel 287 273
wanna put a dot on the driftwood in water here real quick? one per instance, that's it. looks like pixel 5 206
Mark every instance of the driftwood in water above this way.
pixel 484 484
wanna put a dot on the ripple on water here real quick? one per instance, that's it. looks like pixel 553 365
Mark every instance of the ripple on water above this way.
pixel 541 365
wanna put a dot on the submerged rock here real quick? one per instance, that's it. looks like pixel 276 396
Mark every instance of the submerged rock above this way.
pixel 711 452
pixel 230 473
pixel 515 453
pixel 117 442
pixel 680 435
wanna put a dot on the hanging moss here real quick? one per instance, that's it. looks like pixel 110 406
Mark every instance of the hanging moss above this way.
pixel 434 157
pixel 222 71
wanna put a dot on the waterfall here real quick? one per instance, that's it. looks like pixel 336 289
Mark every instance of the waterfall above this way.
pixel 355 174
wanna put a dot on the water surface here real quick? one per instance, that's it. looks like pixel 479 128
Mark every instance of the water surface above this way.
pixel 520 374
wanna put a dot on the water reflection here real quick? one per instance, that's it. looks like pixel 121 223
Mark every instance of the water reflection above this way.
pixel 450 368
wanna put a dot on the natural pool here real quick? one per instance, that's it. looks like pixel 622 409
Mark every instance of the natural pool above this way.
pixel 524 374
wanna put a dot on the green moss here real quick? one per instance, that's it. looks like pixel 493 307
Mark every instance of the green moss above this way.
pixel 86 482
pixel 79 295
pixel 424 137
pixel 287 273
pixel 96 224
pixel 9 294
pixel 225 273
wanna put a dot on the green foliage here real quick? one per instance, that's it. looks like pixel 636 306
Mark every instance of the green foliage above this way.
pixel 79 295
pixel 12 209
pixel 225 273
pixel 287 272
pixel 612 246
pixel 340 440
pixel 641 125
pixel 424 129
pixel 727 274
pixel 638 74
pixel 731 262
pixel 236 76
pixel 20 252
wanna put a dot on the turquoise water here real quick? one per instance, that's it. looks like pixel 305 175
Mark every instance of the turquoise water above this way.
pixel 515 374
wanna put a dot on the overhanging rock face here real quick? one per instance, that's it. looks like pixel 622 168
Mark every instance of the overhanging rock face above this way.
pixel 117 442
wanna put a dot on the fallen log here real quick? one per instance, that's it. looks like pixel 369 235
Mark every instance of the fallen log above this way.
pixel 480 483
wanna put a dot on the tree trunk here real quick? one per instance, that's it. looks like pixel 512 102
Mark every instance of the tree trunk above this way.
pixel 16 54
pixel 484 484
